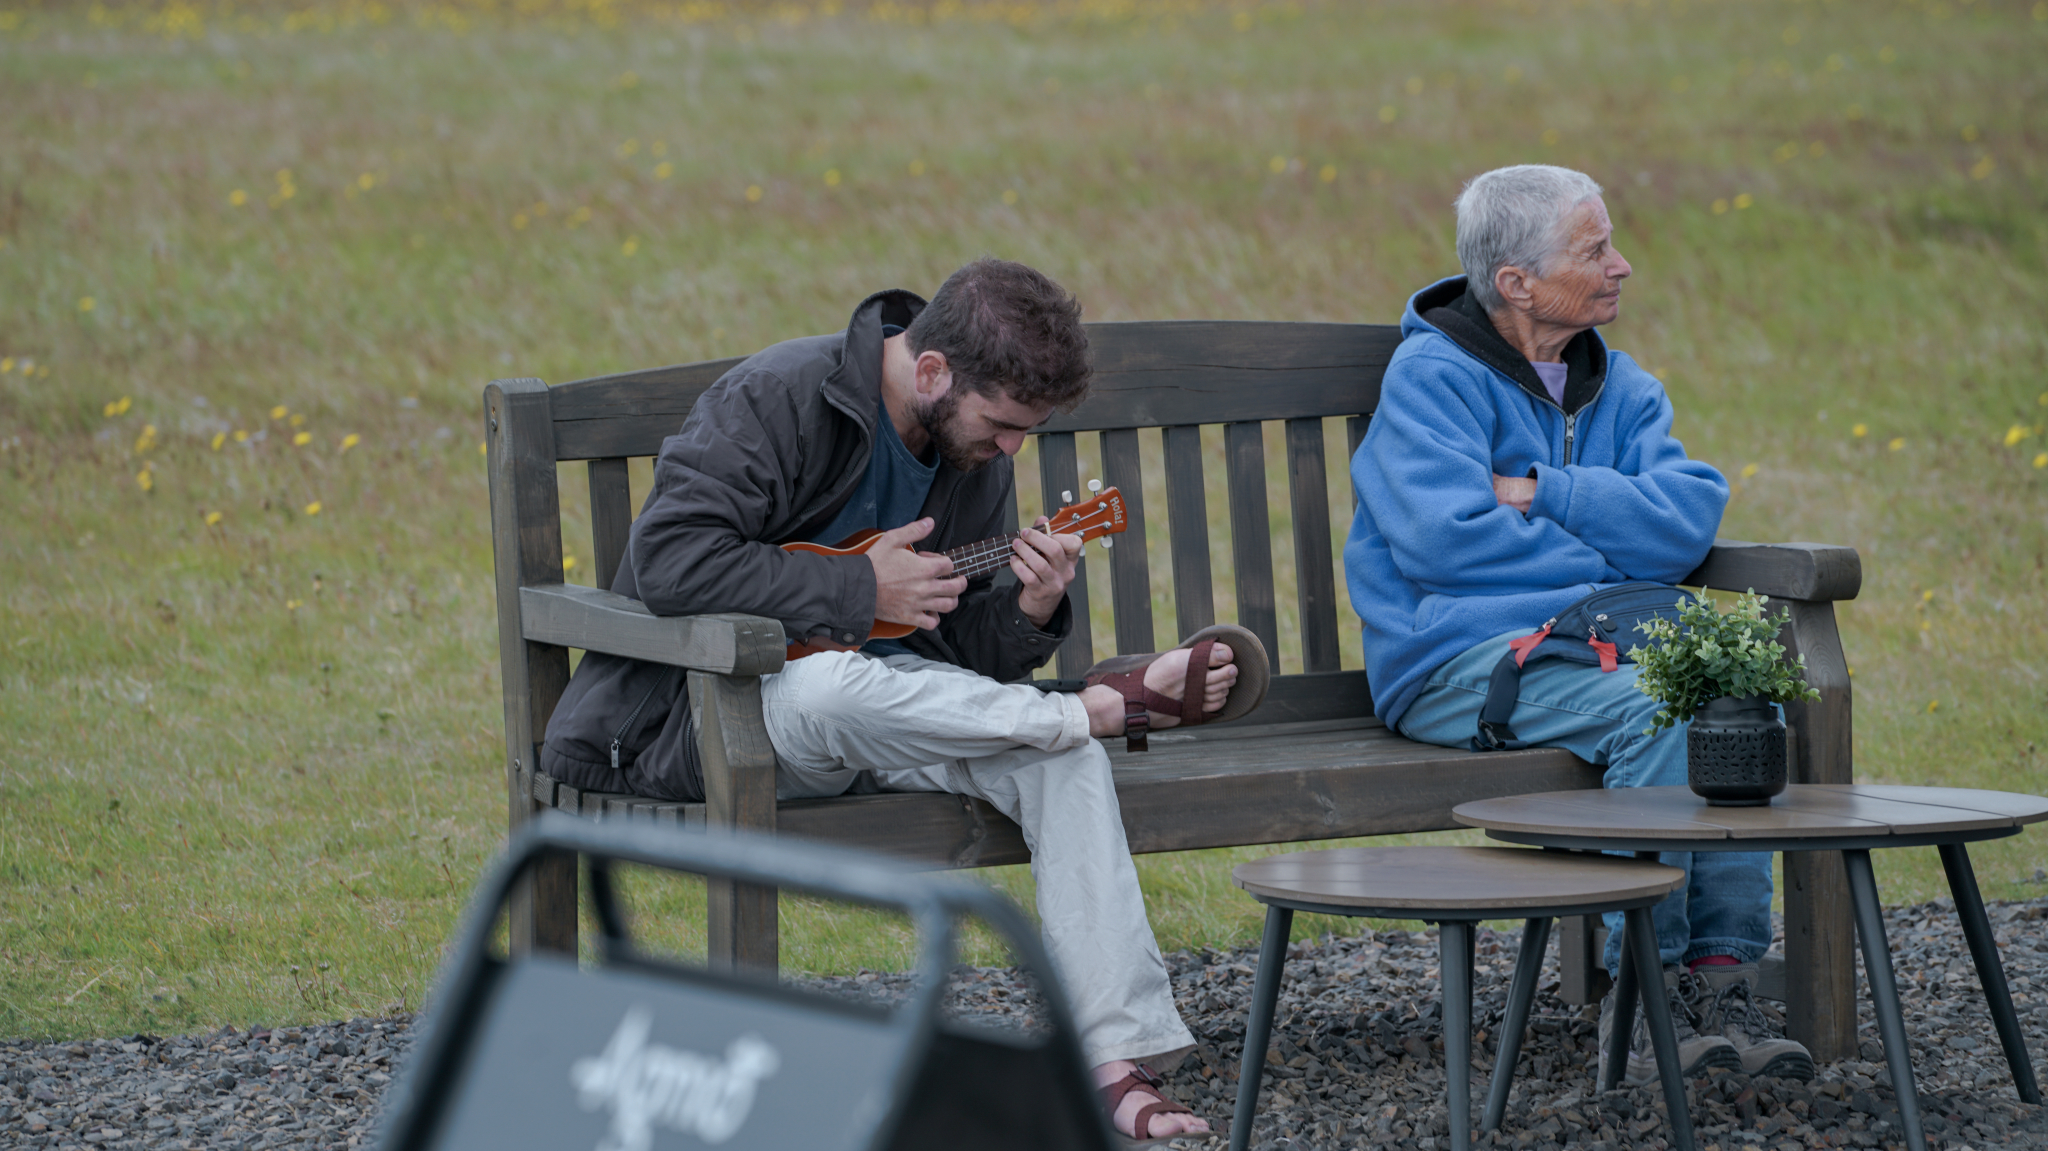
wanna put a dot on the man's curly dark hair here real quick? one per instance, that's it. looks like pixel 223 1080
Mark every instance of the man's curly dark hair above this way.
pixel 1005 327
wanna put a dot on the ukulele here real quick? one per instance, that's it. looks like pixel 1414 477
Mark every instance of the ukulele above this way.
pixel 1099 516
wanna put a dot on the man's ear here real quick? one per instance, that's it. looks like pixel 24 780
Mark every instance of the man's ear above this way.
pixel 1512 283
pixel 934 375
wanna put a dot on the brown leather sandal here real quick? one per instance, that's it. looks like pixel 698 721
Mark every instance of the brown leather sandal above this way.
pixel 1126 674
pixel 1144 1080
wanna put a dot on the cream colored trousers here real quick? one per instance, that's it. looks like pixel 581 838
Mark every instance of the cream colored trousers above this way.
pixel 925 726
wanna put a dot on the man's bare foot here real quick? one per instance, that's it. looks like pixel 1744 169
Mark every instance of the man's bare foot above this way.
pixel 1167 675
pixel 1161 1124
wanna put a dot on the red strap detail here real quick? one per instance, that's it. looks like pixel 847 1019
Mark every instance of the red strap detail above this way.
pixel 1522 647
pixel 1608 661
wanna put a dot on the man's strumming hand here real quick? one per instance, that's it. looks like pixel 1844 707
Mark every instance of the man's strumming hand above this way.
pixel 1044 565
pixel 912 587
pixel 1517 492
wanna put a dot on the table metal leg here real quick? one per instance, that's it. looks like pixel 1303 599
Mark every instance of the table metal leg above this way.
pixel 1454 960
pixel 1258 1031
pixel 1624 1020
pixel 1884 992
pixel 1521 993
pixel 1962 883
pixel 1642 944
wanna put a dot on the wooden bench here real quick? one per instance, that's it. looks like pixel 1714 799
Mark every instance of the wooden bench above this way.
pixel 1311 763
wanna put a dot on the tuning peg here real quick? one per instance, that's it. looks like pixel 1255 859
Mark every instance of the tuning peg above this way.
pixel 1066 497
pixel 1106 541
pixel 1094 485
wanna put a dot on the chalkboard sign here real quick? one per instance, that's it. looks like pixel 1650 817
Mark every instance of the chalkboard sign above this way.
pixel 637 1054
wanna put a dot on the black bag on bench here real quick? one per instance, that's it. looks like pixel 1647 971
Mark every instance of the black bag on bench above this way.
pixel 1595 630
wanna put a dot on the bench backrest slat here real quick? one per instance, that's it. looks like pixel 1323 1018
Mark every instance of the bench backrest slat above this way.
pixel 1308 487
pixel 1251 541
pixel 611 515
pixel 1130 574
pixel 1059 470
pixel 1187 525
pixel 1177 376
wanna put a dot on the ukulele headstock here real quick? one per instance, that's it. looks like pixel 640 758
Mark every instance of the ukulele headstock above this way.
pixel 1099 515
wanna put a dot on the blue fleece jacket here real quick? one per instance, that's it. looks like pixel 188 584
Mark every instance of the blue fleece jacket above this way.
pixel 1436 565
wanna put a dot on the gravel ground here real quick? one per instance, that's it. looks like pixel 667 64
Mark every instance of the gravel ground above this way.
pixel 1357 1060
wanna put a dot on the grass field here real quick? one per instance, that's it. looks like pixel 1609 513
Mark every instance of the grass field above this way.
pixel 257 261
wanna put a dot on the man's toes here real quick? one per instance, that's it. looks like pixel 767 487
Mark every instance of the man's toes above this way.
pixel 1220 655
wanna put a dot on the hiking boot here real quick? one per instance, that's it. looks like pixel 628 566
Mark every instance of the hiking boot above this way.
pixel 1726 1001
pixel 1696 1052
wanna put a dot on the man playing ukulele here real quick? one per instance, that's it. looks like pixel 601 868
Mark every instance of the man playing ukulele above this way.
pixel 907 422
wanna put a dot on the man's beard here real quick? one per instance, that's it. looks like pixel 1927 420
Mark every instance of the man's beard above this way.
pixel 939 419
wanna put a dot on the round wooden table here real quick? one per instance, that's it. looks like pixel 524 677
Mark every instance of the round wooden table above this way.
pixel 1854 819
pixel 1456 888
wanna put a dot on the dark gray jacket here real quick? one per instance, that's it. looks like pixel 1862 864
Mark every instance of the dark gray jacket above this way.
pixel 769 454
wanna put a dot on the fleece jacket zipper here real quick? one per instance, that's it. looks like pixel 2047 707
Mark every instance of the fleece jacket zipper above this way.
pixel 633 720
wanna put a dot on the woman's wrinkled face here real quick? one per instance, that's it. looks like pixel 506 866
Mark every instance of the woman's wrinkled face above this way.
pixel 1582 288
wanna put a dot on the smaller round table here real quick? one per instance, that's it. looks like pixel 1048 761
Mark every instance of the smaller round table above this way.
pixel 1456 888
pixel 1854 819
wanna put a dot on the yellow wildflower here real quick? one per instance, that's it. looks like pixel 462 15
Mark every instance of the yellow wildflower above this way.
pixel 1328 175
pixel 1552 135
pixel 278 412
pixel 219 438
pixel 2041 461
pixel 1748 470
pixel 146 440
pixel 568 564
pixel 1009 195
pixel 1897 443
pixel 1932 704
pixel 144 481
pixel 212 519
pixel 1720 207
pixel 483 449
pixel 916 168
pixel 302 439
pixel 664 170
pixel 298 420
pixel 1389 113
pixel 1277 164
pixel 832 177
pixel 631 246
pixel 366 181
pixel 6 363
pixel 294 604
pixel 1860 430
pixel 754 193
pixel 350 440
pixel 87 303
pixel 237 198
pixel 2014 434
pixel 313 509
pixel 1743 201
pixel 241 437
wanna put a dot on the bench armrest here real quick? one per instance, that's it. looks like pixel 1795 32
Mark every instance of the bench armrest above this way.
pixel 575 616
pixel 1812 572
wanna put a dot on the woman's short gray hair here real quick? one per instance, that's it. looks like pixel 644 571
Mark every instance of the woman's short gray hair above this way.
pixel 1515 217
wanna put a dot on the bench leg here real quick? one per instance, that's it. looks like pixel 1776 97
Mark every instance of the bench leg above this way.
pixel 542 915
pixel 1820 937
pixel 1521 995
pixel 739 795
pixel 1258 1030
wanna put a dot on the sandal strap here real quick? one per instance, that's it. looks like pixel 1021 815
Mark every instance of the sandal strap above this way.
pixel 1141 1078
pixel 1197 685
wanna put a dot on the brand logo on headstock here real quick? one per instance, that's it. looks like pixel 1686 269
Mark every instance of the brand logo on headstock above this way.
pixel 648 1085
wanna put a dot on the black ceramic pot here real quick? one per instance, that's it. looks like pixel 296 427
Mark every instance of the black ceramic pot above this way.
pixel 1735 752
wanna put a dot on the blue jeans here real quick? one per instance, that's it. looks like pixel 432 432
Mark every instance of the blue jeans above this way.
pixel 1724 908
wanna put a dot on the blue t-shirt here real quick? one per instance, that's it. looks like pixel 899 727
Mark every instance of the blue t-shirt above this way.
pixel 889 495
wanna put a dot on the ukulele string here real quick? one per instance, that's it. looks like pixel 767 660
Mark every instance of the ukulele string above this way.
pixel 985 556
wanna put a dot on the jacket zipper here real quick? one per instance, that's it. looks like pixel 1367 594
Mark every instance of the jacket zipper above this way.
pixel 1571 420
pixel 633 720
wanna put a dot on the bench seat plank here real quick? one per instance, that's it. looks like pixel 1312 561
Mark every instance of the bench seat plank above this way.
pixel 1336 783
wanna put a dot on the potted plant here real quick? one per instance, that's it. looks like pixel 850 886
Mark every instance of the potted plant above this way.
pixel 1723 671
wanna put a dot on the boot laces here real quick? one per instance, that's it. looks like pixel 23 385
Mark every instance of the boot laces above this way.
pixel 1736 1004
